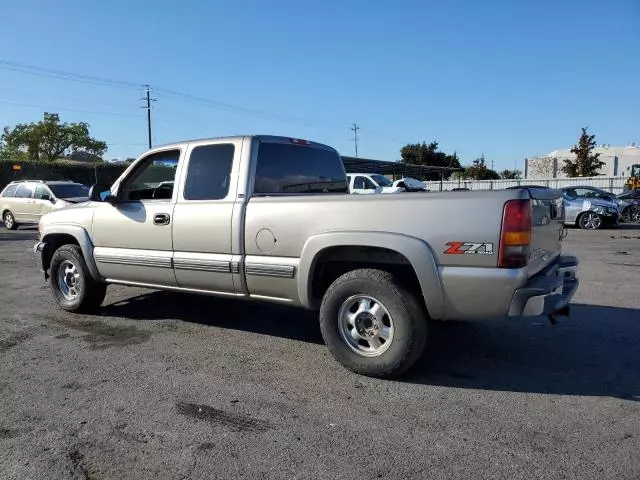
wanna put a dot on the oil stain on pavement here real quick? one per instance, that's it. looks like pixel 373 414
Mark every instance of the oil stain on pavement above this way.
pixel 235 421
pixel 101 336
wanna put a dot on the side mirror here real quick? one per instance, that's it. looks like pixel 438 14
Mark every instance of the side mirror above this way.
pixel 101 192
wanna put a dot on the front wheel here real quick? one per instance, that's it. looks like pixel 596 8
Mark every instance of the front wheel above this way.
pixel 71 283
pixel 590 221
pixel 9 221
pixel 371 324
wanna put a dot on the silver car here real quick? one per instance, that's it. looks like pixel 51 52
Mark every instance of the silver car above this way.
pixel 25 201
pixel 589 208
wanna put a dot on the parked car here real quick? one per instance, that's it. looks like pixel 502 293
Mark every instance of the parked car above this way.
pixel 25 201
pixel 268 218
pixel 589 208
pixel 630 201
pixel 367 183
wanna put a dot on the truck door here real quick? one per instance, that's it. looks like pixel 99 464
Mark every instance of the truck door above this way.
pixel 132 236
pixel 203 217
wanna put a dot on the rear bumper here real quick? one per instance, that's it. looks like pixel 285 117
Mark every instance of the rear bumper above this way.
pixel 548 292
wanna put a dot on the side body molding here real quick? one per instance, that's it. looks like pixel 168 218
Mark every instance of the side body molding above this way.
pixel 82 237
pixel 416 251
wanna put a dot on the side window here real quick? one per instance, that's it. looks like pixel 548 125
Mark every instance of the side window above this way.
pixel 363 183
pixel 285 168
pixel 25 190
pixel 42 193
pixel 209 172
pixel 153 179
pixel 10 191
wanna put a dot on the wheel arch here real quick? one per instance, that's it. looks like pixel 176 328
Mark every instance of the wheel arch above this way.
pixel 58 235
pixel 417 253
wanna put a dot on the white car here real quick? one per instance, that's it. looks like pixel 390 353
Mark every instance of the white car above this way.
pixel 365 183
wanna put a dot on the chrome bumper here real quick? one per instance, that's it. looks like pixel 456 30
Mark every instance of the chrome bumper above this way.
pixel 549 292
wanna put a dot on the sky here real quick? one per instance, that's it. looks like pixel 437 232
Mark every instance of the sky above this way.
pixel 505 79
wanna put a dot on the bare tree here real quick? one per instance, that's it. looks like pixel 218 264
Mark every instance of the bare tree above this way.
pixel 543 167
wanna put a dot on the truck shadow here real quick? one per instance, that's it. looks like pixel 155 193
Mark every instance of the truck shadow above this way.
pixel 250 316
pixel 595 352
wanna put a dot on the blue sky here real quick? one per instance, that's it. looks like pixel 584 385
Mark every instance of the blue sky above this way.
pixel 504 78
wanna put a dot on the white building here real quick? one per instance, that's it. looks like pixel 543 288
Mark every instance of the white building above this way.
pixel 618 162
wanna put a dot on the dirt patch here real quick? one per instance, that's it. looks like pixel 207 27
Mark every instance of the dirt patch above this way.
pixel 13 340
pixel 236 421
pixel 6 433
pixel 72 386
pixel 101 336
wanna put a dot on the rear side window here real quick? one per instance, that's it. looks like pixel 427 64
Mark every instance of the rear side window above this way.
pixel 25 190
pixel 10 191
pixel 209 172
pixel 287 168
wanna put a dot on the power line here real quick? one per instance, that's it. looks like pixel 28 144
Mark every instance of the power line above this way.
pixel 355 129
pixel 63 75
pixel 175 95
pixel 92 112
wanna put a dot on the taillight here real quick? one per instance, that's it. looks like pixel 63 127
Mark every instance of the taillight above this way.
pixel 515 235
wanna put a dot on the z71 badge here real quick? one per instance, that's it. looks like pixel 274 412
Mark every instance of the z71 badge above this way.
pixel 469 248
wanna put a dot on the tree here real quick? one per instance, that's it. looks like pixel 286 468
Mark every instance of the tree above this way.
pixel 428 154
pixel 479 170
pixel 49 139
pixel 544 167
pixel 586 163
pixel 10 153
pixel 510 174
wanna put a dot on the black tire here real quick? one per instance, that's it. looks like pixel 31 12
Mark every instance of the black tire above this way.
pixel 408 317
pixel 9 220
pixel 585 225
pixel 89 293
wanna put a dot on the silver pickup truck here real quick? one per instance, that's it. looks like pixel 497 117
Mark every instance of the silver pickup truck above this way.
pixel 270 218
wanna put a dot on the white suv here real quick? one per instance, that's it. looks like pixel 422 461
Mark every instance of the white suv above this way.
pixel 25 201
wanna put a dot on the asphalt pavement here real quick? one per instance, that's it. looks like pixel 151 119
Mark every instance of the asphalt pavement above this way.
pixel 165 385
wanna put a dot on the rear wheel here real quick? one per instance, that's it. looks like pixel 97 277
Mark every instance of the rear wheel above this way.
pixel 9 221
pixel 71 283
pixel 371 324
pixel 590 221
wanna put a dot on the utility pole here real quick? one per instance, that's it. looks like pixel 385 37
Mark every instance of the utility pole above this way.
pixel 148 107
pixel 355 129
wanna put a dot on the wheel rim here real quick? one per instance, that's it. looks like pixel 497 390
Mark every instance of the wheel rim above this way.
pixel 69 282
pixel 8 220
pixel 591 221
pixel 634 215
pixel 365 325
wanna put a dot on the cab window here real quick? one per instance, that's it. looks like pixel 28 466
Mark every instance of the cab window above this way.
pixel 363 183
pixel 153 179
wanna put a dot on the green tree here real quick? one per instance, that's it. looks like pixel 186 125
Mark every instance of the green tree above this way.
pixel 428 154
pixel 12 154
pixel 479 170
pixel 50 139
pixel 586 163
pixel 510 174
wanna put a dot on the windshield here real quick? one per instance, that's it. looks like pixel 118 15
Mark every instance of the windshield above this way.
pixel 71 190
pixel 381 180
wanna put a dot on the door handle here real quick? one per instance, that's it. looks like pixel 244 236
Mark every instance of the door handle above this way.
pixel 161 219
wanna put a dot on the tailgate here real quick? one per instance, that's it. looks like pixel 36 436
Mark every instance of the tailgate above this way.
pixel 547 223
